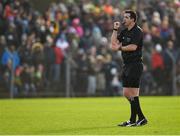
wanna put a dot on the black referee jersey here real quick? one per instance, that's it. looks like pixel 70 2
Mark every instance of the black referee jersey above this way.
pixel 133 36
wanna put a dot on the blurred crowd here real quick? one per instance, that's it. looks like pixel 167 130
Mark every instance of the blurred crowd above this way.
pixel 71 39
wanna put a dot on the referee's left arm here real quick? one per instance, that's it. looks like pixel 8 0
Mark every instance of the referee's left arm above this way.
pixel 130 47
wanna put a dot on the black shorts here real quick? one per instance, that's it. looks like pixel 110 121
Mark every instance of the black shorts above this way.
pixel 131 74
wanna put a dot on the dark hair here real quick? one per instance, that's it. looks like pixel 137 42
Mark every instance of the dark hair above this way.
pixel 132 13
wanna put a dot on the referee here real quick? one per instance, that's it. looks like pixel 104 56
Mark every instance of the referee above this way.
pixel 130 42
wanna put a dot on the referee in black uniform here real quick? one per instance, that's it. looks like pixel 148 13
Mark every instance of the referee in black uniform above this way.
pixel 130 42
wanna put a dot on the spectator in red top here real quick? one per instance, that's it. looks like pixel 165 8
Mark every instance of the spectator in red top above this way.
pixel 158 66
pixel 57 65
pixel 8 13
pixel 157 59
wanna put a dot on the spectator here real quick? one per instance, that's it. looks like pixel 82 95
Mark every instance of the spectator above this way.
pixel 10 58
pixel 28 80
pixel 100 74
pixel 110 70
pixel 57 64
pixel 49 55
pixel 10 61
pixel 158 66
pixel 82 69
pixel 169 65
pixel 91 88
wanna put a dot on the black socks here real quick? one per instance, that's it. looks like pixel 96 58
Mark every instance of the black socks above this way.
pixel 139 111
pixel 135 109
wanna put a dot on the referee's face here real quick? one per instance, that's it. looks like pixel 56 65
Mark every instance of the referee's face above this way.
pixel 127 20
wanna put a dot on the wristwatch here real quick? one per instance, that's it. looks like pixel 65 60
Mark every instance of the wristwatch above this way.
pixel 115 29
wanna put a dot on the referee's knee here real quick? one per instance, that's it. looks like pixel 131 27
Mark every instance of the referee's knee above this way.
pixel 126 93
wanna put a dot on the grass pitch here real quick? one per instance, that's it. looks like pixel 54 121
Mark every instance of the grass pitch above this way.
pixel 87 116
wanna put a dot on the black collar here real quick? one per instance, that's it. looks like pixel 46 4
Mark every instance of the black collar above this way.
pixel 135 25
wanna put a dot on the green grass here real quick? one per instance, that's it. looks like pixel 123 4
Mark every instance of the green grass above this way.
pixel 87 116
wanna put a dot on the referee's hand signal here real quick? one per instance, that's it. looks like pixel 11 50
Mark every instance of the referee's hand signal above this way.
pixel 116 25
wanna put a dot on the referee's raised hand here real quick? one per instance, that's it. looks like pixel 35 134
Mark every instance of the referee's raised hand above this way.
pixel 115 45
pixel 116 25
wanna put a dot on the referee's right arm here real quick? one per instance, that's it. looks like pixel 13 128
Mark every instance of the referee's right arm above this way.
pixel 115 45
